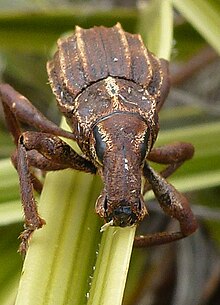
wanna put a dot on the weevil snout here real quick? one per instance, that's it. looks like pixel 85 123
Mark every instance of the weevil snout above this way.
pixel 123 213
pixel 122 216
pixel 120 144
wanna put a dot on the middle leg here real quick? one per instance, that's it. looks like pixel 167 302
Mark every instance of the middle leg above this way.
pixel 173 155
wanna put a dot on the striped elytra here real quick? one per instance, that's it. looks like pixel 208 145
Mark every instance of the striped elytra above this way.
pixel 90 63
pixel 90 55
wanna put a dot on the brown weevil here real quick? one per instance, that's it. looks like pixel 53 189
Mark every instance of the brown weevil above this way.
pixel 110 89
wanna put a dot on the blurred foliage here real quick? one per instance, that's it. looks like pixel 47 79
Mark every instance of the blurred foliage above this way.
pixel 186 272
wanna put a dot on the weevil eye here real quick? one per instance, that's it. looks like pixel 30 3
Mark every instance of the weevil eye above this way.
pixel 145 145
pixel 100 145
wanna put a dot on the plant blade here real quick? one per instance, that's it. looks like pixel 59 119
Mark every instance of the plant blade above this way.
pixel 156 27
pixel 112 266
pixel 204 16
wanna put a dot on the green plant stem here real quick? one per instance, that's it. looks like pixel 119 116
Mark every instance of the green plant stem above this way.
pixel 112 266
pixel 156 27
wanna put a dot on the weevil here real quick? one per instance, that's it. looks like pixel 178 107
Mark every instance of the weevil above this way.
pixel 110 88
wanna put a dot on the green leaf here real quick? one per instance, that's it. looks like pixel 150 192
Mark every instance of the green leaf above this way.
pixel 10 263
pixel 204 168
pixel 156 27
pixel 8 182
pixel 112 266
pixel 204 16
pixel 38 31
pixel 10 212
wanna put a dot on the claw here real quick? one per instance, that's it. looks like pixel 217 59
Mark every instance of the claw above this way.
pixel 25 236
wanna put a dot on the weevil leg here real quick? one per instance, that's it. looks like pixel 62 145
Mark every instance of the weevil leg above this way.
pixel 174 204
pixel 164 90
pixel 173 155
pixel 58 153
pixel 37 184
pixel 32 219
pixel 14 128
pixel 18 108
pixel 37 161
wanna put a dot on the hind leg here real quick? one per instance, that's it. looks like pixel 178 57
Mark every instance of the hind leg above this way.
pixel 174 204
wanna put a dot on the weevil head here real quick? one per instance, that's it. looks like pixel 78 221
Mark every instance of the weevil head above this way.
pixel 120 144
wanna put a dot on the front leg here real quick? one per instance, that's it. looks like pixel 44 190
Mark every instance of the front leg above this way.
pixel 53 153
pixel 59 155
pixel 174 204
pixel 32 219
pixel 18 108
